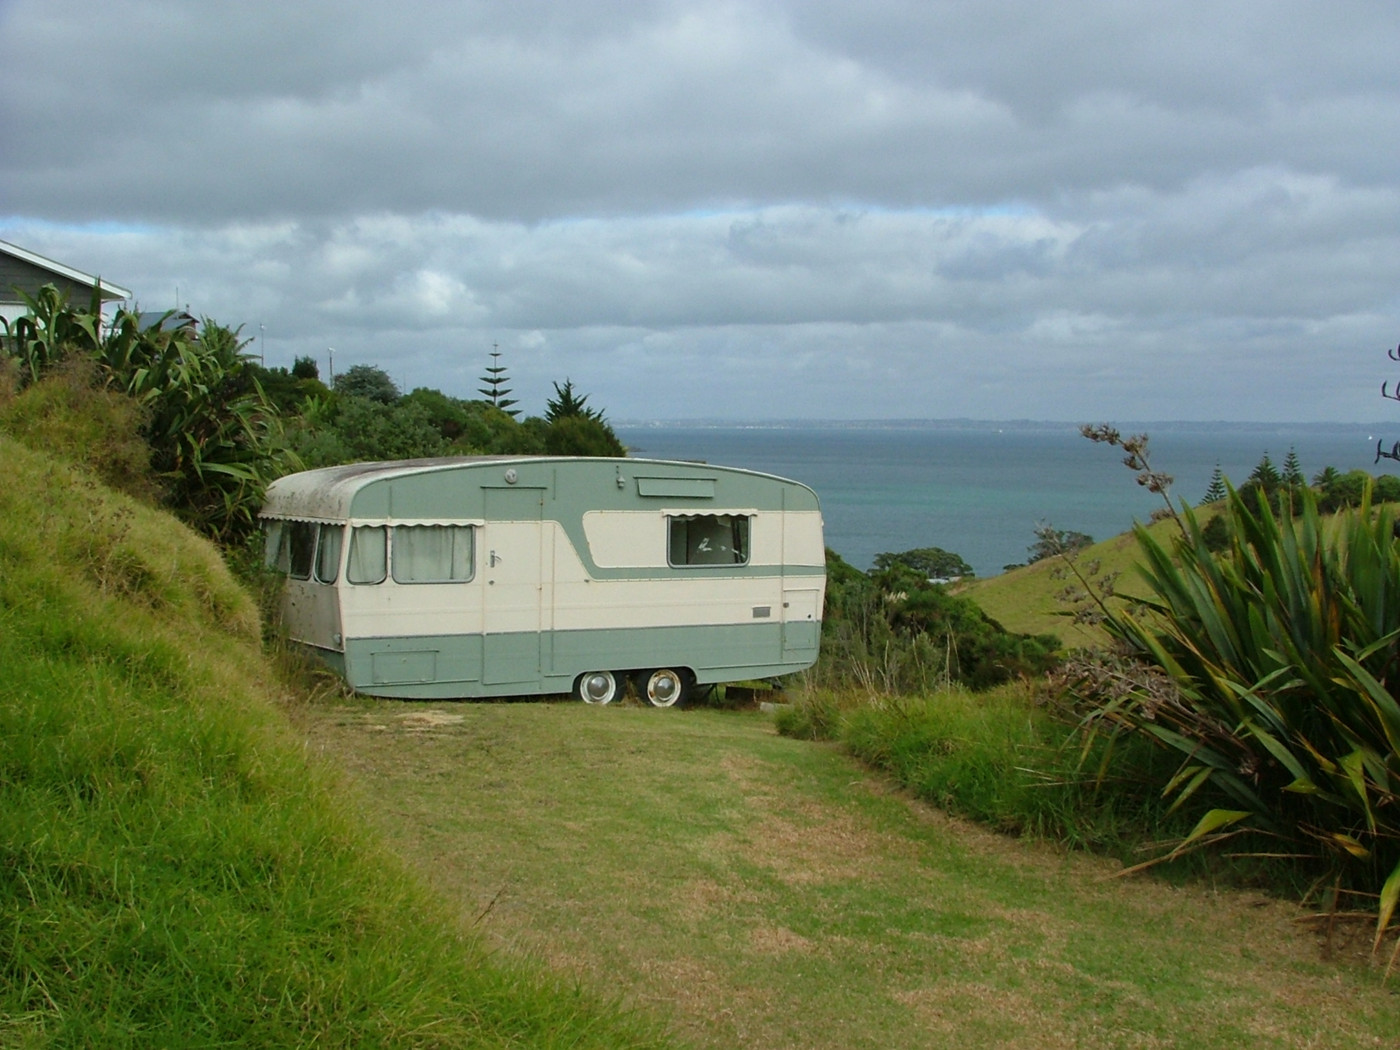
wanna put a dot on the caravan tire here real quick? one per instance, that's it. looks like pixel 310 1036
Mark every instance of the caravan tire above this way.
pixel 597 687
pixel 665 687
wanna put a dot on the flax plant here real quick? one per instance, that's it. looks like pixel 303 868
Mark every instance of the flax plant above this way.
pixel 1284 656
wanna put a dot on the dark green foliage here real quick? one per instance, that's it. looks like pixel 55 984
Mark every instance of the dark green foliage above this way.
pixel 1339 491
pixel 582 435
pixel 1216 533
pixel 931 563
pixel 1293 470
pixel 1215 492
pixel 1265 474
pixel 50 329
pixel 890 631
pixel 286 391
pixel 372 430
pixel 214 439
pixel 368 382
pixel 566 403
pixel 306 368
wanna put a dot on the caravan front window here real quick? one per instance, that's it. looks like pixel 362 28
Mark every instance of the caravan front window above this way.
pixel 709 539
pixel 369 556
pixel 432 553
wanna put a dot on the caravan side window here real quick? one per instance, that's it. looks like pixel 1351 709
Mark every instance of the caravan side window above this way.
pixel 369 554
pixel 432 553
pixel 709 539
pixel 328 553
pixel 299 538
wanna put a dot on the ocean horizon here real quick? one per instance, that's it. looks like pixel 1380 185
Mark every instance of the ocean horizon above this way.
pixel 980 488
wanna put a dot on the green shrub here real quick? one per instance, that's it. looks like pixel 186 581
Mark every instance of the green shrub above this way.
pixel 1281 652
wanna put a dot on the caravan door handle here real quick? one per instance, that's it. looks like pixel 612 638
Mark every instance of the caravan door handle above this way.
pixel 494 560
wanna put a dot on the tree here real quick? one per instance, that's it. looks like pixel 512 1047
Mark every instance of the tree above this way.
pixel 1216 490
pixel 1265 474
pixel 306 368
pixel 931 563
pixel 367 382
pixel 495 389
pixel 1293 470
pixel 582 435
pixel 566 404
pixel 1051 542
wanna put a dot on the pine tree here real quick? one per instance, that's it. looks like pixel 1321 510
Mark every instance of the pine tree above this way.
pixel 567 403
pixel 1293 470
pixel 1265 474
pixel 495 391
pixel 1216 492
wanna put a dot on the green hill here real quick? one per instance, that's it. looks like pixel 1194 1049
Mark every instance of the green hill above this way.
pixel 1027 599
pixel 174 869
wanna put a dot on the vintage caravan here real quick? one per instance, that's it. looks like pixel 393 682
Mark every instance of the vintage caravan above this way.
pixel 500 576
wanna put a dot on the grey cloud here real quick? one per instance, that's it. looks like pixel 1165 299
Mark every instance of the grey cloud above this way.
pixel 886 208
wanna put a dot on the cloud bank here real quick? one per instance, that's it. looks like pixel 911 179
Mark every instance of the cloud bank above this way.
pixel 743 210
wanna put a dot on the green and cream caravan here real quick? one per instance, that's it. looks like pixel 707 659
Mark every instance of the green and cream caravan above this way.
pixel 503 576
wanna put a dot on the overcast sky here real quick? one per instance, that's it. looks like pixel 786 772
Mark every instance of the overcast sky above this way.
pixel 1086 210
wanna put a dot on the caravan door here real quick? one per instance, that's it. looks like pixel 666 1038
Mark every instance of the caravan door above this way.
pixel 514 578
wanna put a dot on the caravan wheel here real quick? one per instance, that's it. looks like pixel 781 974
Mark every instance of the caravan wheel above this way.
pixel 597 687
pixel 663 688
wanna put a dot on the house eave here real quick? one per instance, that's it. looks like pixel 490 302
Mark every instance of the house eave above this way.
pixel 106 289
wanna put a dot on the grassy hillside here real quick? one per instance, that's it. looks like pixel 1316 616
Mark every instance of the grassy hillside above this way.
pixel 173 870
pixel 1026 600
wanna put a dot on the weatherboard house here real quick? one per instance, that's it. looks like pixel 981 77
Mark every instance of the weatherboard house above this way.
pixel 23 271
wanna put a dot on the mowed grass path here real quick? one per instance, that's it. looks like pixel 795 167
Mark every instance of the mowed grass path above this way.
pixel 758 891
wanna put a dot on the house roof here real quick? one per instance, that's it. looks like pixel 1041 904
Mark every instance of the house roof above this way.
pixel 106 289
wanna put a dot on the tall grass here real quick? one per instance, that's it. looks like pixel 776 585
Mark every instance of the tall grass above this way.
pixel 173 869
pixel 1002 757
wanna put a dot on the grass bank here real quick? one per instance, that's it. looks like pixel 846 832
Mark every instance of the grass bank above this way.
pixel 1029 599
pixel 173 870
pixel 756 890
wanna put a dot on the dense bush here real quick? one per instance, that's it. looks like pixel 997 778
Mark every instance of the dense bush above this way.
pixel 892 631
pixel 214 439
pixel 1280 655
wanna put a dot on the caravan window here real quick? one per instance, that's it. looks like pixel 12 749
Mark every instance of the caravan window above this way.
pixel 432 553
pixel 296 547
pixel 290 548
pixel 273 551
pixel 328 553
pixel 709 539
pixel 369 554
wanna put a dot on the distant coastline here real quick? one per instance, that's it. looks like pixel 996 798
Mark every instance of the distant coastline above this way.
pixel 1135 426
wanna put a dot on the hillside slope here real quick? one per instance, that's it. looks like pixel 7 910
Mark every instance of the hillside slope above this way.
pixel 1028 599
pixel 173 870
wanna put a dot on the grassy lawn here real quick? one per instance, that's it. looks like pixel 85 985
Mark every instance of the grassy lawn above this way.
pixel 757 891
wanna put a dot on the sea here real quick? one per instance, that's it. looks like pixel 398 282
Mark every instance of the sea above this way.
pixel 981 488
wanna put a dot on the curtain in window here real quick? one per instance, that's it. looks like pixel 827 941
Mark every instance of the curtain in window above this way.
pixel 368 562
pixel 328 553
pixel 709 539
pixel 432 553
